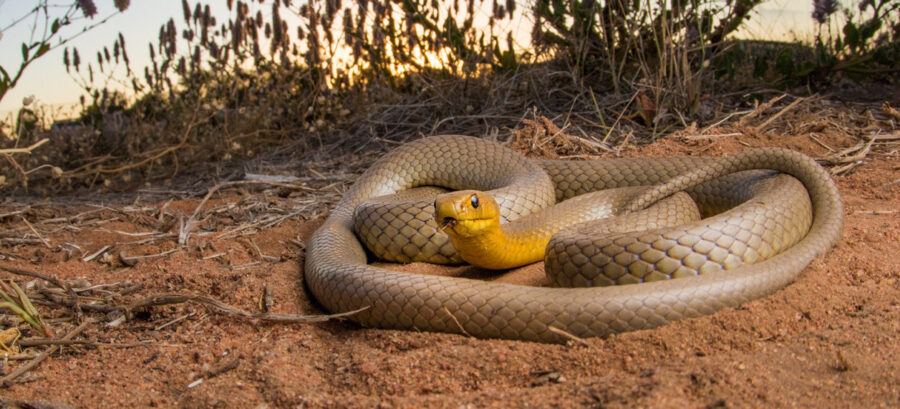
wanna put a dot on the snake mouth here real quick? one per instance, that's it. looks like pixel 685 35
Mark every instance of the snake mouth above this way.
pixel 447 222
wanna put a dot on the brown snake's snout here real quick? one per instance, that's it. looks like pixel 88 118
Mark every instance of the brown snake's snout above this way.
pixel 444 222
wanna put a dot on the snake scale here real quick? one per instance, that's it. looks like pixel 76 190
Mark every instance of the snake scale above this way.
pixel 741 254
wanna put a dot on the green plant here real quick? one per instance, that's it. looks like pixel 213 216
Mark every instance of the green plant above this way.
pixel 273 72
pixel 48 27
pixel 659 46
pixel 18 302
pixel 869 40
pixel 860 44
pixel 268 72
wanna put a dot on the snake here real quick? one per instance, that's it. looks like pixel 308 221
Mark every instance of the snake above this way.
pixel 471 219
pixel 775 211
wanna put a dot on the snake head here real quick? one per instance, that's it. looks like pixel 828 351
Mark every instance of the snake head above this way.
pixel 466 213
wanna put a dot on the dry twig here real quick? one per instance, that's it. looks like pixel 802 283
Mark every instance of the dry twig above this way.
pixel 456 321
pixel 29 149
pixel 166 299
pixel 790 106
pixel 570 336
pixel 888 110
pixel 8 380
pixel 189 225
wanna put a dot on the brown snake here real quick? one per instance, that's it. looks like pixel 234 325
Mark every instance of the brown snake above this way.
pixel 750 267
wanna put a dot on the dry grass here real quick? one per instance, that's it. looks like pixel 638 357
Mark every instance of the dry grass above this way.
pixel 490 106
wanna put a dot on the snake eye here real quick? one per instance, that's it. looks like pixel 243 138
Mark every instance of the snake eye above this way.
pixel 474 201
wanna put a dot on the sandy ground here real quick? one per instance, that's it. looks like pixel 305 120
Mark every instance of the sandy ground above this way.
pixel 830 340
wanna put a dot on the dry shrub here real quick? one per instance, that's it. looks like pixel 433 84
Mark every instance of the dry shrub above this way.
pixel 541 138
pixel 220 90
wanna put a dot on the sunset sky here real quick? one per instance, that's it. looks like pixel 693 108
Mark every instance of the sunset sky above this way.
pixel 48 81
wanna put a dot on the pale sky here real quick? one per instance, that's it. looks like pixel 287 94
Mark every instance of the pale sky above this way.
pixel 48 81
pixel 46 78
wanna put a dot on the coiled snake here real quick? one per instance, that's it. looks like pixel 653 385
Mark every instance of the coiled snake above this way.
pixel 744 253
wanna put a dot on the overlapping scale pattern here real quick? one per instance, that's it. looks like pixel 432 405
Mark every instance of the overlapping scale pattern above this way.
pixel 338 276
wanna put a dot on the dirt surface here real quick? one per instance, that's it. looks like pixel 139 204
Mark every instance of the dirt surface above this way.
pixel 831 339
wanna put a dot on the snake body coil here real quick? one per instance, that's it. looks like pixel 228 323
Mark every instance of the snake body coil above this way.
pixel 338 276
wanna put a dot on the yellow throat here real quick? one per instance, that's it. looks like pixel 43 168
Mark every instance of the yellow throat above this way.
pixel 472 220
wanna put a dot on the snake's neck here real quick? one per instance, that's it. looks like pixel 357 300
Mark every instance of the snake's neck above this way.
pixel 501 247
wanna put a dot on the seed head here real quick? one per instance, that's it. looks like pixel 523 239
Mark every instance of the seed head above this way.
pixel 822 9
pixel 122 5
pixel 87 7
